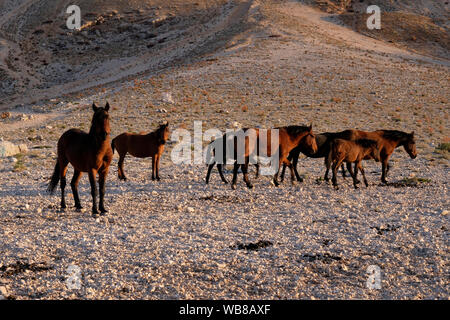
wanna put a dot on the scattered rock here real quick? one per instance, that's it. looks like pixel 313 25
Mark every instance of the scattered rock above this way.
pixel 5 115
pixel 252 246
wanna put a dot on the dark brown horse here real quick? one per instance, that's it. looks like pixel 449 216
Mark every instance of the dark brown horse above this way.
pixel 388 141
pixel 142 146
pixel 87 152
pixel 353 152
pixel 213 158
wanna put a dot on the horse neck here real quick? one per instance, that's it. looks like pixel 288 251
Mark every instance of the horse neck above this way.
pixel 398 142
pixel 156 135
pixel 299 138
pixel 98 143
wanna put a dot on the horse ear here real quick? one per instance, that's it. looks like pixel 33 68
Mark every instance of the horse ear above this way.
pixel 94 107
pixel 412 134
pixel 310 127
pixel 107 106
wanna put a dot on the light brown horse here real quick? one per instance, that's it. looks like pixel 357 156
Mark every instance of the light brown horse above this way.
pixel 288 138
pixel 352 152
pixel 141 146
pixel 388 141
pixel 87 152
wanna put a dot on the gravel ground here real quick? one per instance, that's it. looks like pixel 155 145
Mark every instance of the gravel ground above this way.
pixel 179 238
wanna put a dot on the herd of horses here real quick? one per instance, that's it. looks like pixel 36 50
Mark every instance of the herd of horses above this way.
pixel 92 152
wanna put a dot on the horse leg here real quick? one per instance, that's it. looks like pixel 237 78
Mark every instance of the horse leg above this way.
pixel 208 174
pixel 293 178
pixel 283 170
pixel 327 166
pixel 384 165
pixel 235 170
pixel 334 168
pixel 63 170
pixel 294 164
pixel 101 184
pixel 120 171
pixel 220 169
pixel 92 175
pixel 157 167
pixel 74 185
pixel 355 176
pixel 257 170
pixel 153 167
pixel 275 176
pixel 343 171
pixel 363 174
pixel 245 173
pixel 350 170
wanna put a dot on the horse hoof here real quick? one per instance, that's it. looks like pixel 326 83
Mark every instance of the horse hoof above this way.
pixel 225 181
pixel 233 186
pixel 78 209
pixel 250 186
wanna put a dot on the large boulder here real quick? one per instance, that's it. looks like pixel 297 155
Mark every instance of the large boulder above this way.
pixel 8 149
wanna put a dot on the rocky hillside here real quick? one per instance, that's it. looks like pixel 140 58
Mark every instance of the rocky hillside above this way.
pixel 117 38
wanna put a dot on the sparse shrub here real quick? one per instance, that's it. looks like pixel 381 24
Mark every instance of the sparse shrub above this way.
pixel 20 164
pixel 444 146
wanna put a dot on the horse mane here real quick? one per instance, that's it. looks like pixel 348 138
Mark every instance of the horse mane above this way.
pixel 395 135
pixel 295 130
pixel 366 143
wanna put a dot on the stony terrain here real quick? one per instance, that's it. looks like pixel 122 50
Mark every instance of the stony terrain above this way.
pixel 277 63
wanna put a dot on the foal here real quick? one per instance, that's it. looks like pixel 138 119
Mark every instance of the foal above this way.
pixel 323 144
pixel 353 152
pixel 87 152
pixel 141 146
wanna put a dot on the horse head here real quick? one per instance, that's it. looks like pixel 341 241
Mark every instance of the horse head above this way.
pixel 309 141
pixel 100 122
pixel 163 132
pixel 410 145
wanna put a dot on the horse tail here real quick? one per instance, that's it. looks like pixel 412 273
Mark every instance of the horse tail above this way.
pixel 112 145
pixel 55 179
